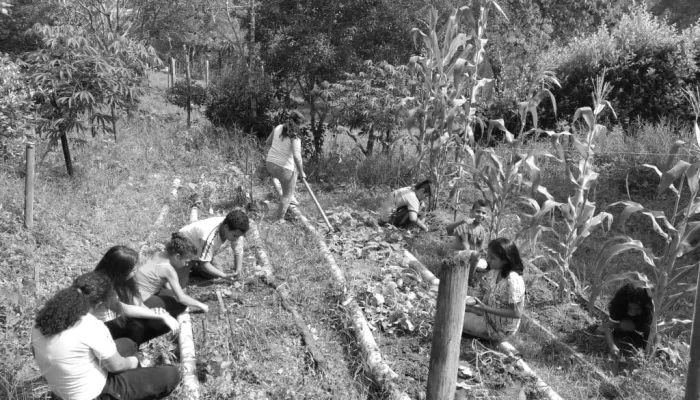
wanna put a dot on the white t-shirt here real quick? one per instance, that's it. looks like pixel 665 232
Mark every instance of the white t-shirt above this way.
pixel 205 235
pixel 71 361
pixel 283 150
pixel 399 198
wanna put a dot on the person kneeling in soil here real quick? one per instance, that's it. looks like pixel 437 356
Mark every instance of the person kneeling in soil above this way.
pixel 631 315
pixel 470 235
pixel 77 355
pixel 284 162
pixel 128 316
pixel 161 270
pixel 497 317
pixel 402 206
pixel 209 236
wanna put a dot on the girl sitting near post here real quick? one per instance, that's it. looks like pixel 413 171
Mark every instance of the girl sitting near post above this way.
pixel 160 271
pixel 77 355
pixel 497 317
pixel 128 316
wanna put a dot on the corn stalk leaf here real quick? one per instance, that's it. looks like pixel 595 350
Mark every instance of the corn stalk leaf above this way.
pixel 631 207
pixel 693 178
pixel 672 174
pixel 675 148
pixel 499 9
pixel 680 274
pixel 610 252
pixel 690 240
pixel 671 299
pixel 587 114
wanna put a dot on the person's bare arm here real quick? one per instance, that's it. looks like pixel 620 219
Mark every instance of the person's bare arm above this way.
pixel 451 227
pixel 413 217
pixel 180 294
pixel 117 363
pixel 512 311
pixel 606 329
pixel 296 154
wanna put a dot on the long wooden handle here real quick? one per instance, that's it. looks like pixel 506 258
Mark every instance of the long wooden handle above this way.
pixel 317 204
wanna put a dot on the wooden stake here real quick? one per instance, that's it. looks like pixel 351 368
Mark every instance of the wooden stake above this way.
pixel 692 384
pixel 29 188
pixel 318 205
pixel 206 74
pixel 447 335
pixel 188 359
pixel 172 71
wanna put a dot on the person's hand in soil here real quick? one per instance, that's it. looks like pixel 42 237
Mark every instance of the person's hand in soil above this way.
pixel 615 351
pixel 171 323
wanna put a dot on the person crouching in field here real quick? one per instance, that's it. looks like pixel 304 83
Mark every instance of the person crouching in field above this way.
pixel 402 206
pixel 284 162
pixel 77 355
pixel 128 316
pixel 160 270
pixel 470 235
pixel 497 316
pixel 631 315
pixel 209 236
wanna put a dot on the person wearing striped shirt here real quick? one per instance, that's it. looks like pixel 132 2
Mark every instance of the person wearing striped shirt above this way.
pixel 210 236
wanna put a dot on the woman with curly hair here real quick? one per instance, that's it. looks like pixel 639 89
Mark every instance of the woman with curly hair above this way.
pixel 161 270
pixel 497 317
pixel 631 314
pixel 284 161
pixel 78 357
pixel 128 316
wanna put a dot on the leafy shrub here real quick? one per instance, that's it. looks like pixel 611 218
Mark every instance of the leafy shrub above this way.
pixel 178 94
pixel 231 96
pixel 645 61
pixel 15 108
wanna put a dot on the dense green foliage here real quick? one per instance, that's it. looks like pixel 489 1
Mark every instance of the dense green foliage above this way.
pixel 16 108
pixel 181 92
pixel 644 59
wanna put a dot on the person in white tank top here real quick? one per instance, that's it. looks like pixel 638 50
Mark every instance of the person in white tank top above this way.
pixel 284 161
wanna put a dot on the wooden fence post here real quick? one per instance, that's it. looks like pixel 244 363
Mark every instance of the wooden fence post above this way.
pixel 188 77
pixel 172 71
pixel 447 335
pixel 692 385
pixel 206 74
pixel 29 188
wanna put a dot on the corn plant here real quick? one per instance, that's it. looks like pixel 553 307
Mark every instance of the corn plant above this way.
pixel 679 233
pixel 445 84
pixel 501 179
pixel 577 213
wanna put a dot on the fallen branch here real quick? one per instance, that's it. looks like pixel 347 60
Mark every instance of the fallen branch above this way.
pixel 269 279
pixel 412 262
pixel 540 385
pixel 188 359
pixel 378 368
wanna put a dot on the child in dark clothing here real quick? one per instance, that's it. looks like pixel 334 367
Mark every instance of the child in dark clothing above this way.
pixel 631 314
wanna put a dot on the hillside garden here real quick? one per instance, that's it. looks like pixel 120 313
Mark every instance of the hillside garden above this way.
pixel 586 148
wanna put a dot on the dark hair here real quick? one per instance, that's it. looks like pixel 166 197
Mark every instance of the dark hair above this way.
pixel 425 186
pixel 480 203
pixel 116 265
pixel 507 251
pixel 237 220
pixel 633 293
pixel 67 306
pixel 180 245
pixel 298 119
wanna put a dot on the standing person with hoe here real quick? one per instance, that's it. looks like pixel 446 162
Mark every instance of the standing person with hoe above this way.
pixel 284 161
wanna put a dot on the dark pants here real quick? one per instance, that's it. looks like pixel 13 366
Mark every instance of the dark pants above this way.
pixel 141 330
pixel 141 384
pixel 193 268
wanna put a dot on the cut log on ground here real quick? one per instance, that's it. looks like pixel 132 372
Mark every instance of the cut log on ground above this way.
pixel 269 278
pixel 540 385
pixel 377 367
pixel 188 360
pixel 412 262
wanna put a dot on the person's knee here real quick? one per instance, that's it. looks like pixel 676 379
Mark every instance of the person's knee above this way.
pixel 126 347
pixel 171 378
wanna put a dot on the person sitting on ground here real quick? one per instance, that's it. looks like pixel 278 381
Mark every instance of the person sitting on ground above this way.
pixel 77 355
pixel 284 161
pixel 128 316
pixel 470 235
pixel 161 270
pixel 401 208
pixel 209 236
pixel 631 315
pixel 497 317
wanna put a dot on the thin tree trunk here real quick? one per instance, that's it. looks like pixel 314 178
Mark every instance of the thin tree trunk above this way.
pixel 114 124
pixel 371 139
pixel 692 384
pixel 66 153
